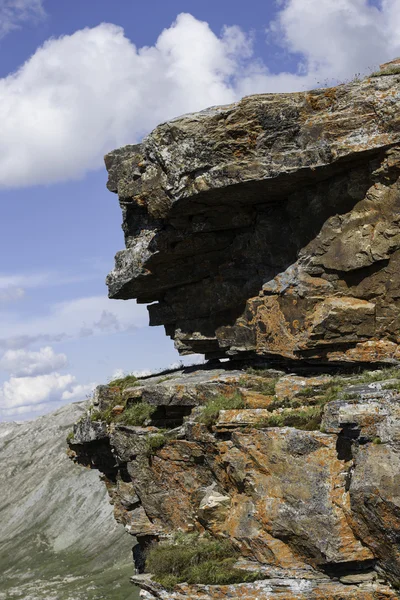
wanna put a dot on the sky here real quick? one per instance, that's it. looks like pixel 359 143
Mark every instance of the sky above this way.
pixel 78 79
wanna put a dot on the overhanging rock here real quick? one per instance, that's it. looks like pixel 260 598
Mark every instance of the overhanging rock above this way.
pixel 269 226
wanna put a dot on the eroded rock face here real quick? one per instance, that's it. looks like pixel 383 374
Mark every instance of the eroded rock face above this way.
pixel 270 226
pixel 315 511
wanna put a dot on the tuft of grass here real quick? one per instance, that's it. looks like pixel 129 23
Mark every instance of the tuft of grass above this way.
pixel 377 441
pixel 136 415
pixel 307 418
pixel 392 386
pixel 70 436
pixel 192 559
pixel 154 443
pixel 393 70
pixel 210 411
pixel 123 382
pixel 381 375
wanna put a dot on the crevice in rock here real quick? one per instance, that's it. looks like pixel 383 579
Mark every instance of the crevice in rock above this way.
pixel 337 570
pixel 345 440
pixel 170 416
pixel 98 455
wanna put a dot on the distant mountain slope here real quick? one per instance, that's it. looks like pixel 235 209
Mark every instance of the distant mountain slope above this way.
pixel 58 537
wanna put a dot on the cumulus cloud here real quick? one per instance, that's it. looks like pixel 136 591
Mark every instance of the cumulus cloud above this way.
pixel 27 396
pixel 20 393
pixel 22 363
pixel 14 13
pixel 82 317
pixel 78 392
pixel 84 94
pixel 336 40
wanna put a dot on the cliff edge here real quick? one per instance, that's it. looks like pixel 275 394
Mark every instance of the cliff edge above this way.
pixel 265 231
pixel 269 227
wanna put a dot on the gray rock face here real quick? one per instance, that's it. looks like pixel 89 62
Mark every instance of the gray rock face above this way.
pixel 269 226
pixel 58 537
pixel 314 511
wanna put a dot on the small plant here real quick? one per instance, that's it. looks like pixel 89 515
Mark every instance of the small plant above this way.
pixel 210 411
pixel 136 415
pixel 307 418
pixel 379 375
pixel 392 386
pixel 70 436
pixel 392 70
pixel 154 443
pixel 192 559
pixel 377 441
pixel 123 382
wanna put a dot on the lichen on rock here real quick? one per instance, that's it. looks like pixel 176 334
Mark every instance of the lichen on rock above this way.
pixel 270 226
pixel 266 231
pixel 310 513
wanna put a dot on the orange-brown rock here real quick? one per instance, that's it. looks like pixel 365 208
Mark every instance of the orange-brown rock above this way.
pixel 270 227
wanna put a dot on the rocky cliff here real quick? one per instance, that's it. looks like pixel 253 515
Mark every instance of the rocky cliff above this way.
pixel 269 227
pixel 267 232
pixel 299 473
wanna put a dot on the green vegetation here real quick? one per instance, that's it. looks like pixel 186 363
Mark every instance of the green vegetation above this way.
pixel 264 386
pixel 155 442
pixel 70 436
pixel 123 382
pixel 189 558
pixel 391 70
pixel 307 418
pixel 210 411
pixel 381 375
pixel 392 386
pixel 137 414
pixel 377 441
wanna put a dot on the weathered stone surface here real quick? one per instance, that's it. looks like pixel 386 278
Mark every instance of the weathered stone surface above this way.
pixel 269 227
pixel 315 513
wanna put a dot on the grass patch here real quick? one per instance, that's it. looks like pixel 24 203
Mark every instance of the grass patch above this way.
pixel 381 375
pixel 210 411
pixel 393 70
pixel 307 418
pixel 136 415
pixel 70 436
pixel 123 382
pixel 192 559
pixel 154 443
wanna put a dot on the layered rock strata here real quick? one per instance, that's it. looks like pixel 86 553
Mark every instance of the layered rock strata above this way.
pixel 314 511
pixel 270 226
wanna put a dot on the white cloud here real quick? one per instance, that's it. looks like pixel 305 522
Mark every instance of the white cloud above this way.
pixel 22 363
pixel 24 392
pixel 13 13
pixel 16 342
pixel 27 396
pixel 84 94
pixel 93 315
pixel 11 294
pixel 337 40
pixel 78 392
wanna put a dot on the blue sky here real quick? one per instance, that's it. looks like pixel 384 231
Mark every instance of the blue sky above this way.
pixel 78 79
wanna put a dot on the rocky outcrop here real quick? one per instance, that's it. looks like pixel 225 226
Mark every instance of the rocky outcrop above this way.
pixel 312 509
pixel 269 227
